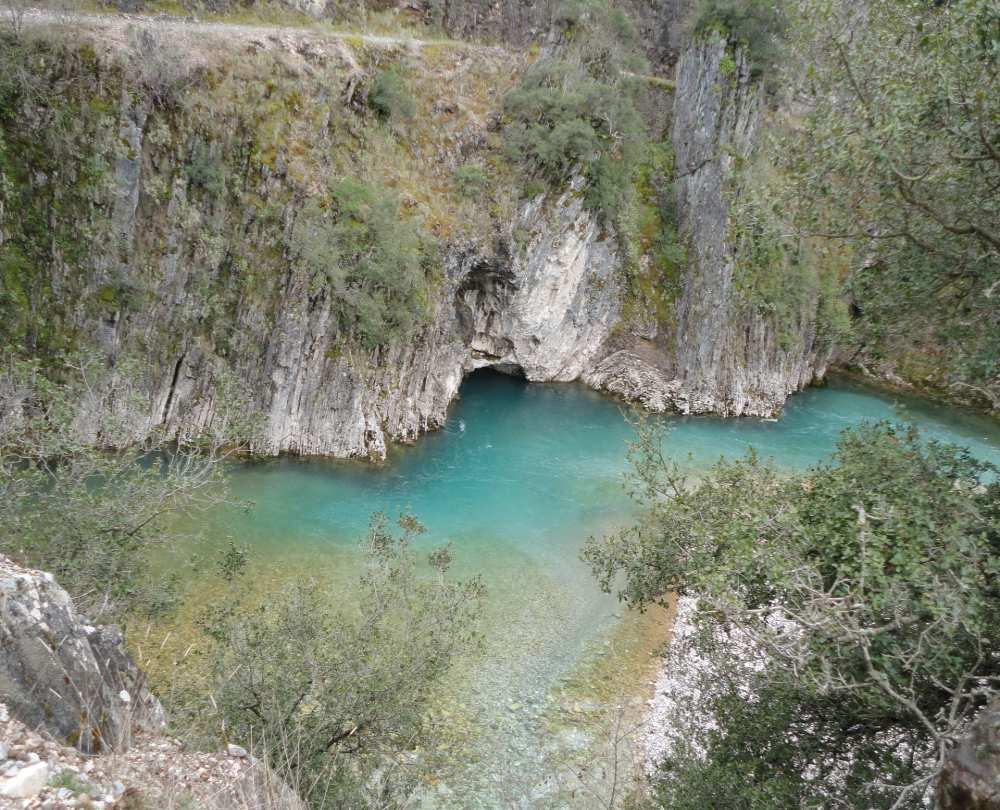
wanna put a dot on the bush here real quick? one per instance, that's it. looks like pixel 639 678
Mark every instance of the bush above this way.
pixel 326 692
pixel 757 25
pixel 371 261
pixel 471 180
pixel 844 623
pixel 205 170
pixel 578 112
pixel 391 97
pixel 91 517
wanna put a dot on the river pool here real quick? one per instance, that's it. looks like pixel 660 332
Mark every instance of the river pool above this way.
pixel 516 481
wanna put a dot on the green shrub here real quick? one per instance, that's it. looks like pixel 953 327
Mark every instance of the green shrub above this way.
pixel 757 25
pixel 370 260
pixel 391 97
pixel 204 170
pixel 578 112
pixel 325 690
pixel 864 590
pixel 470 180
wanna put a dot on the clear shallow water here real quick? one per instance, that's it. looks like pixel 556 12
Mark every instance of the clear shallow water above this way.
pixel 517 480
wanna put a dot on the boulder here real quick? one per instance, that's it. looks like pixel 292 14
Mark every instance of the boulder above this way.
pixel 27 782
pixel 970 779
pixel 59 673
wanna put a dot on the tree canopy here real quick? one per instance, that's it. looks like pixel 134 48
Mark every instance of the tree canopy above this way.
pixel 848 617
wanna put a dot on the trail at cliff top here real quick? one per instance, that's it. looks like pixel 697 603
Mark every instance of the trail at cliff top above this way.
pixel 274 33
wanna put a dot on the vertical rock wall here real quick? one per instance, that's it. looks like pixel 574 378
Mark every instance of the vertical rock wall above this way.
pixel 730 358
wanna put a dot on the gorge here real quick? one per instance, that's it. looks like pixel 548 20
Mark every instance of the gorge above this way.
pixel 399 376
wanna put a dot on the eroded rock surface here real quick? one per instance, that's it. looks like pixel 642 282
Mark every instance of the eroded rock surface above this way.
pixel 63 675
pixel 971 776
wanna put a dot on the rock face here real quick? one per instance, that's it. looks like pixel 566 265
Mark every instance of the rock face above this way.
pixel 730 359
pixel 63 675
pixel 229 314
pixel 721 357
pixel 970 779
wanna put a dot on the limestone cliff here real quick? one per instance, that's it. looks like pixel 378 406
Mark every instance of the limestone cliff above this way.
pixel 175 251
pixel 720 356
pixel 62 674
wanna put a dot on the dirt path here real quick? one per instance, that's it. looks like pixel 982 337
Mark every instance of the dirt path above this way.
pixel 231 31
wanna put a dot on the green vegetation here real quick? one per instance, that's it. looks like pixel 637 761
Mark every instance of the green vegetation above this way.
pixel 372 263
pixel 391 96
pixel 865 592
pixel 253 140
pixel 92 517
pixel 781 274
pixel 326 689
pixel 577 112
pixel 329 694
pixel 757 25
pixel 470 180
pixel 894 166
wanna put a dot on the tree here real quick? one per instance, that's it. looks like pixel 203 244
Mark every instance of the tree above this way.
pixel 81 498
pixel 847 623
pixel 332 694
pixel 893 154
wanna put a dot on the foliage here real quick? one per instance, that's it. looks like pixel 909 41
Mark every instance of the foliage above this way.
pixel 866 592
pixel 896 159
pixel 204 170
pixel 470 180
pixel 325 692
pixel 781 274
pixel 88 516
pixel 371 261
pixel 391 96
pixel 654 254
pixel 577 111
pixel 757 25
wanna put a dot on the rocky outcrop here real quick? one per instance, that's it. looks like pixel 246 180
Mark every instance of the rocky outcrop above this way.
pixel 544 312
pixel 720 356
pixel 970 779
pixel 37 771
pixel 731 359
pixel 59 673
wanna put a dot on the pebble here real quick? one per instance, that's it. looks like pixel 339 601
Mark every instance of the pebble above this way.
pixel 236 751
pixel 3 751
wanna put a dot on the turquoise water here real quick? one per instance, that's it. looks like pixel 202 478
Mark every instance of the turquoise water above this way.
pixel 517 480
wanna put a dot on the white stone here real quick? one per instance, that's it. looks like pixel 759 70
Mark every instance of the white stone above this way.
pixel 236 751
pixel 27 782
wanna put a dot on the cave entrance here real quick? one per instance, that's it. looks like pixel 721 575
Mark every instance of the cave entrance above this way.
pixel 494 377
pixel 508 369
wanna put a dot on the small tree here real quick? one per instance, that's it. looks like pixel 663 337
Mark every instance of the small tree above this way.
pixel 328 692
pixel 848 617
pixel 87 515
